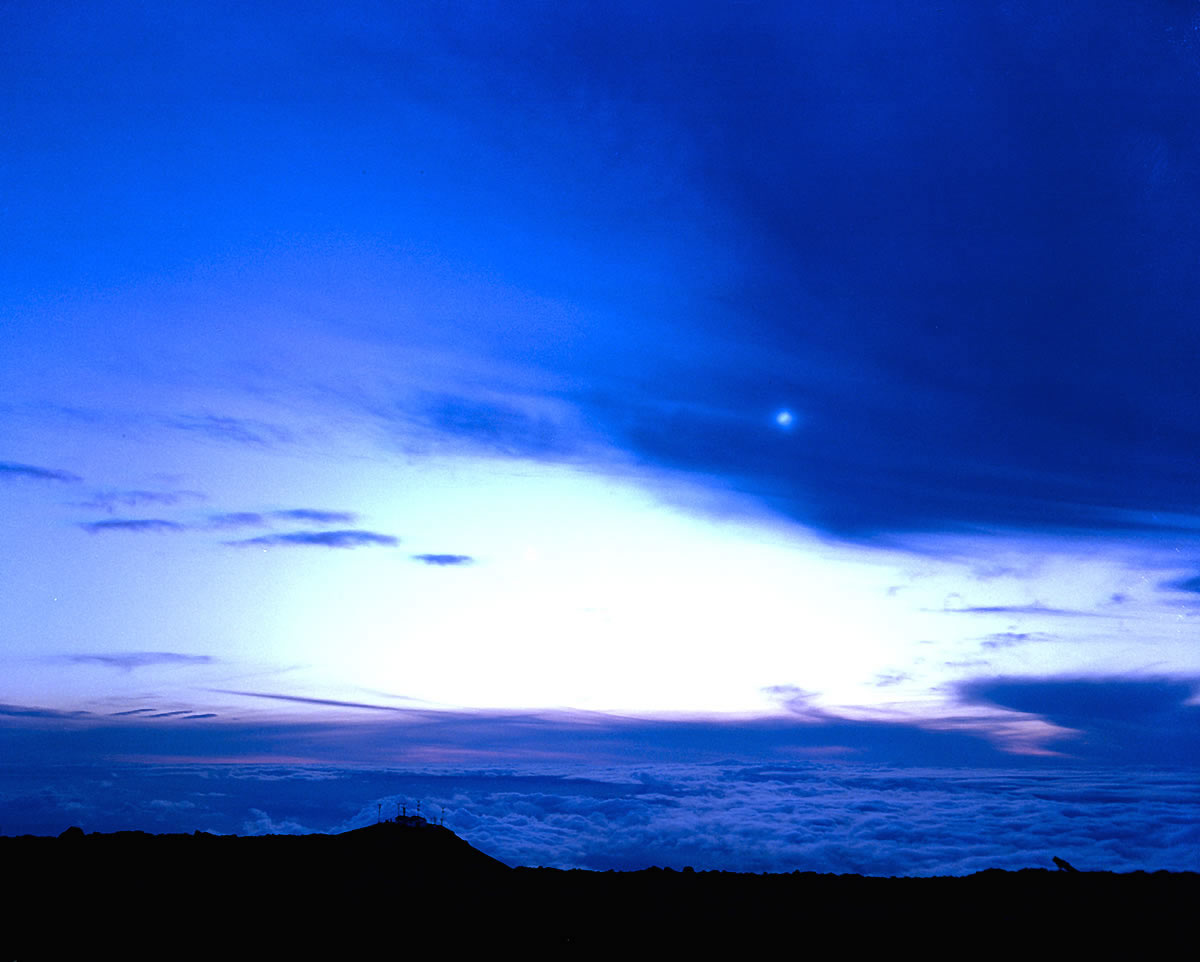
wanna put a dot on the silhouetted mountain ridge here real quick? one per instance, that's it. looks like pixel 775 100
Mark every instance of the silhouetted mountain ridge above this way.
pixel 411 844
pixel 409 882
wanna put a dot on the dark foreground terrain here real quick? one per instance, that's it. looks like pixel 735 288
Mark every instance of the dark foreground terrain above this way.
pixel 392 890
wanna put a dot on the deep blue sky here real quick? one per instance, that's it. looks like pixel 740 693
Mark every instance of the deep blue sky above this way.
pixel 594 382
pixel 959 240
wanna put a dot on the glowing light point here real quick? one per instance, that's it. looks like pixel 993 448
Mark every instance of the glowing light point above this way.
pixel 785 418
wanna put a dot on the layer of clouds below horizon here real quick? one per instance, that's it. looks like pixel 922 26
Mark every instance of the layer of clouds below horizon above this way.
pixel 871 820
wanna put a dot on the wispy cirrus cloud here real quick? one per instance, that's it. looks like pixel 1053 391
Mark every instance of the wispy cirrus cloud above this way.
pixel 444 560
pixel 262 519
pixel 798 701
pixel 316 516
pixel 1009 639
pixel 129 660
pixel 238 430
pixel 1030 609
pixel 501 426
pixel 238 519
pixel 30 711
pixel 136 525
pixel 304 700
pixel 110 500
pixel 12 470
pixel 350 538
pixel 185 713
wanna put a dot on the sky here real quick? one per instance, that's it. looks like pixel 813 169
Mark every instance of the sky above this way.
pixel 510 384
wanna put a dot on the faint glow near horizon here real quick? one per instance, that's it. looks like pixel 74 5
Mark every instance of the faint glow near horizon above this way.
pixel 589 591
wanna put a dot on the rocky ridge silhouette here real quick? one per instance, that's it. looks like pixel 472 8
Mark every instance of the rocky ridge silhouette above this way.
pixel 407 883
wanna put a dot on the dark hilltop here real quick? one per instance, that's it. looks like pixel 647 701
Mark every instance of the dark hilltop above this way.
pixel 408 884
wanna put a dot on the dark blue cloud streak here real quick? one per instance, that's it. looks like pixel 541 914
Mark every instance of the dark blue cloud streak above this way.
pixel 10 469
pixel 135 525
pixel 350 538
pixel 129 660
pixel 1120 720
pixel 315 516
pixel 238 519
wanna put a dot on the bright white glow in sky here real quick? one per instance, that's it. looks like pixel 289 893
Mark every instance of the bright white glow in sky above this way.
pixel 544 587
